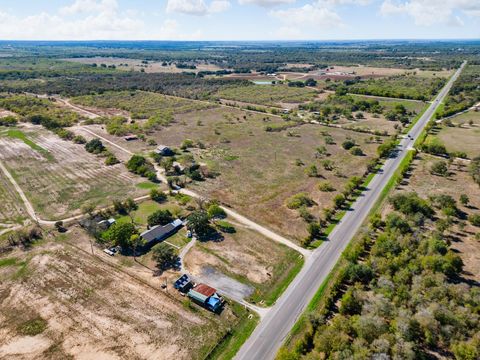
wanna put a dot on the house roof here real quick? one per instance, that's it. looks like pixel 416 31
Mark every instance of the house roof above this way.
pixel 205 290
pixel 197 296
pixel 159 232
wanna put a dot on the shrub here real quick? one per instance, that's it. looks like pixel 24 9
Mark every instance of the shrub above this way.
pixel 348 144
pixel 312 171
pixel 439 168
pixel 411 203
pixel 474 219
pixel 215 211
pixel 94 146
pixel 158 195
pixel 299 200
pixel 356 151
pixel 225 226
pixel 79 139
pixel 111 160
pixel 326 186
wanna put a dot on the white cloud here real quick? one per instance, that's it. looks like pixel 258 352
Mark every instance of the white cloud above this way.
pixel 93 20
pixel 313 15
pixel 197 7
pixel 430 12
pixel 88 6
pixel 217 6
pixel 266 3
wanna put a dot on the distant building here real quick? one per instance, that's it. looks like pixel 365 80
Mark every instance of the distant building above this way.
pixel 158 233
pixel 130 137
pixel 105 224
pixel 206 296
pixel 164 150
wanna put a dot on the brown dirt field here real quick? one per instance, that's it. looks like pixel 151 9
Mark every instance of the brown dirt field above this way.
pixel 460 182
pixel 94 310
pixel 60 184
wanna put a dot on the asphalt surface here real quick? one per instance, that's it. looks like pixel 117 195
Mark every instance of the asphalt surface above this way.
pixel 272 330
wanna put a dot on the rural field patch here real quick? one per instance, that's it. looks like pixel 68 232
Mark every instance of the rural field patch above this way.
pixel 63 177
pixel 72 304
pixel 272 95
pixel 141 104
pixel 259 170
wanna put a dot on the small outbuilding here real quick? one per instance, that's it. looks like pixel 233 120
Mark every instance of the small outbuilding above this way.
pixel 183 284
pixel 164 150
pixel 207 297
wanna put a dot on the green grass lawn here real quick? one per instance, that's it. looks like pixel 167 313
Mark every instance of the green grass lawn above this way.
pixel 147 208
pixel 147 185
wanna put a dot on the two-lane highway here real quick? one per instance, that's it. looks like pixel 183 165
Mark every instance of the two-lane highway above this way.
pixel 269 335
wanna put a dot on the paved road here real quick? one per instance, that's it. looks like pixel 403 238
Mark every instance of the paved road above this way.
pixel 269 335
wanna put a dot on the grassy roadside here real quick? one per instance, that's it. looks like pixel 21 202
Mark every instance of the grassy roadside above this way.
pixel 229 345
pixel 415 120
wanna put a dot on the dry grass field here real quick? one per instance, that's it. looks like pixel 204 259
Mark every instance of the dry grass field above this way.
pixel 11 210
pixel 59 302
pixel 128 64
pixel 59 177
pixel 458 182
pixel 463 137
pixel 258 170
pixel 272 95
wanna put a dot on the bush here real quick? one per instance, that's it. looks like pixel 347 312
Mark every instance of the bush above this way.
pixel 79 139
pixel 215 211
pixel 158 195
pixel 299 200
pixel 111 160
pixel 439 168
pixel 8 121
pixel 410 204
pixel 348 144
pixel 326 187
pixel 94 146
pixel 312 171
pixel 474 219
pixel 225 226
pixel 356 151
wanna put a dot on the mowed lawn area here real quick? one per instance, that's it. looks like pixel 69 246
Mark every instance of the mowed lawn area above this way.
pixel 59 177
pixel 272 95
pixel 259 170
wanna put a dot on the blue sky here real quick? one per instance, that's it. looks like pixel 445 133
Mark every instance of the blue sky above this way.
pixel 238 19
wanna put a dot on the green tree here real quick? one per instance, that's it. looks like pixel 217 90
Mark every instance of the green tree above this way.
pixel 165 256
pixel 120 234
pixel 160 217
pixel 199 223
pixel 464 199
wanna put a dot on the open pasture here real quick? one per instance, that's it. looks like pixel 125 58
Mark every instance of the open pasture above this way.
pixel 59 177
pixel 259 170
pixel 272 95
